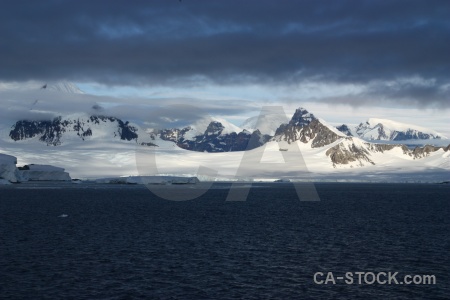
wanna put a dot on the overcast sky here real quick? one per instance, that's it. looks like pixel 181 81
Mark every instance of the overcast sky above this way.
pixel 351 53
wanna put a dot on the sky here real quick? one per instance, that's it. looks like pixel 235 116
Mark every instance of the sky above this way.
pixel 347 60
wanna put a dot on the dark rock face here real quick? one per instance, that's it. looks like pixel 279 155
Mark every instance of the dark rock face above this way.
pixel 51 132
pixel 381 133
pixel 149 144
pixel 344 153
pixel 126 131
pixel 213 140
pixel 313 130
pixel 301 118
pixel 214 129
pixel 174 135
pixel 344 129
pixel 321 134
pixel 386 147
pixel 413 135
pixel 340 154
pixel 420 152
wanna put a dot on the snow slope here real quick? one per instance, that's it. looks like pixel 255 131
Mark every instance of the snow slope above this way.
pixel 103 159
pixel 332 128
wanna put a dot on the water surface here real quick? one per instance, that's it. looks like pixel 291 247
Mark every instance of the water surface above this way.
pixel 123 242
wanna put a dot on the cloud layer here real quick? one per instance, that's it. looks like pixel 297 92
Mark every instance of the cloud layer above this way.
pixel 379 44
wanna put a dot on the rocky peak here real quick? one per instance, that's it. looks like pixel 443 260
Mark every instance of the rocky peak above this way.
pixel 424 151
pixel 214 128
pixel 173 134
pixel 347 152
pixel 301 117
pixel 344 129
pixel 304 126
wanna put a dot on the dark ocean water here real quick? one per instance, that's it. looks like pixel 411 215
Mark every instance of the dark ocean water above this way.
pixel 121 242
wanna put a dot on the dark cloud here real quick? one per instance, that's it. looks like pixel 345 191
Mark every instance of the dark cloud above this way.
pixel 196 42
pixel 413 92
pixel 418 92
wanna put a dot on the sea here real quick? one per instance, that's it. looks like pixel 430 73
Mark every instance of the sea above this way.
pixel 94 241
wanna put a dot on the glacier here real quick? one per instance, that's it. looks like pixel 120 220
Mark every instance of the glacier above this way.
pixel 103 159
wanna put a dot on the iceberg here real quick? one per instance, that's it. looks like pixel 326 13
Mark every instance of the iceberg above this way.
pixel 43 173
pixel 8 170
pixel 157 180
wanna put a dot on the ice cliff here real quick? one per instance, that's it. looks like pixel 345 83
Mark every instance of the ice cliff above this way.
pixel 43 173
pixel 8 170
pixel 10 173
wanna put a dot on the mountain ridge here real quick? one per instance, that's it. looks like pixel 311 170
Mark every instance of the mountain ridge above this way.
pixel 337 149
pixel 377 129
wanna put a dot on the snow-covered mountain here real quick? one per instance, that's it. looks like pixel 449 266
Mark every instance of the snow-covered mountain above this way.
pixel 305 127
pixel 201 125
pixel 342 150
pixel 327 153
pixel 388 130
pixel 109 145
pixel 73 128
pixel 215 138
pixel 97 128
pixel 345 129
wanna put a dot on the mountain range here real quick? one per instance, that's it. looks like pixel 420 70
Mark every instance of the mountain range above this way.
pixel 325 148
pixel 387 130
